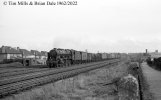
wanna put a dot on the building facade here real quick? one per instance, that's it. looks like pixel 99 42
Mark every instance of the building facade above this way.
pixel 7 52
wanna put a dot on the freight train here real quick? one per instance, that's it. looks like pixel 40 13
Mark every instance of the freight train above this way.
pixel 65 57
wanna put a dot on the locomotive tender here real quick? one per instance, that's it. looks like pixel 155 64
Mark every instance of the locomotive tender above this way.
pixel 65 57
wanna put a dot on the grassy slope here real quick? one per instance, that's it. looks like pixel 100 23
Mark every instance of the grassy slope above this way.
pixel 100 84
pixel 92 85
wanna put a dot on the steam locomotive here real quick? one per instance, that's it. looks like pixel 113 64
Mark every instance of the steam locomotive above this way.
pixel 65 57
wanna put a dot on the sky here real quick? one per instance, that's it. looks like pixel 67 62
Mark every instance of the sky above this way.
pixel 93 25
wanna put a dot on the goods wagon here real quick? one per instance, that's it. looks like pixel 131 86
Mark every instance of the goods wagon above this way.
pixel 99 56
pixel 72 56
pixel 77 57
pixel 84 57
pixel 93 57
pixel 111 55
pixel 96 57
pixel 89 57
pixel 108 56
pixel 104 56
pixel 114 55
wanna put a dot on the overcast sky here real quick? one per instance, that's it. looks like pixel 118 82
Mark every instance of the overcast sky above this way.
pixel 95 25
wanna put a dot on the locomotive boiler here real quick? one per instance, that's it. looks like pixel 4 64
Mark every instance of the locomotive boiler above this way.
pixel 59 57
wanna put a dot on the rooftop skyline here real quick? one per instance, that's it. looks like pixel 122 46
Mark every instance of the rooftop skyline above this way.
pixel 106 26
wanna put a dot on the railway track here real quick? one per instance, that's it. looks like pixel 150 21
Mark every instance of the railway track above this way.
pixel 41 73
pixel 20 72
pixel 22 82
pixel 5 70
pixel 8 70
pixel 13 72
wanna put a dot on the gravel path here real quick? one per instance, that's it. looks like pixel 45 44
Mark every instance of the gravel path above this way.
pixel 154 80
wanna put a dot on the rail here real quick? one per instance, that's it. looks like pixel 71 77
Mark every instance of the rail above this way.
pixel 19 83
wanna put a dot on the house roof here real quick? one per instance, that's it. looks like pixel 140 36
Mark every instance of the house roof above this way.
pixel 25 52
pixel 17 50
pixel 44 53
pixel 9 50
pixel 35 52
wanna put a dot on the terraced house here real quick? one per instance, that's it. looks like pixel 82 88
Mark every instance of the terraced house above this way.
pixel 7 52
pixel 27 53
pixel 40 57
